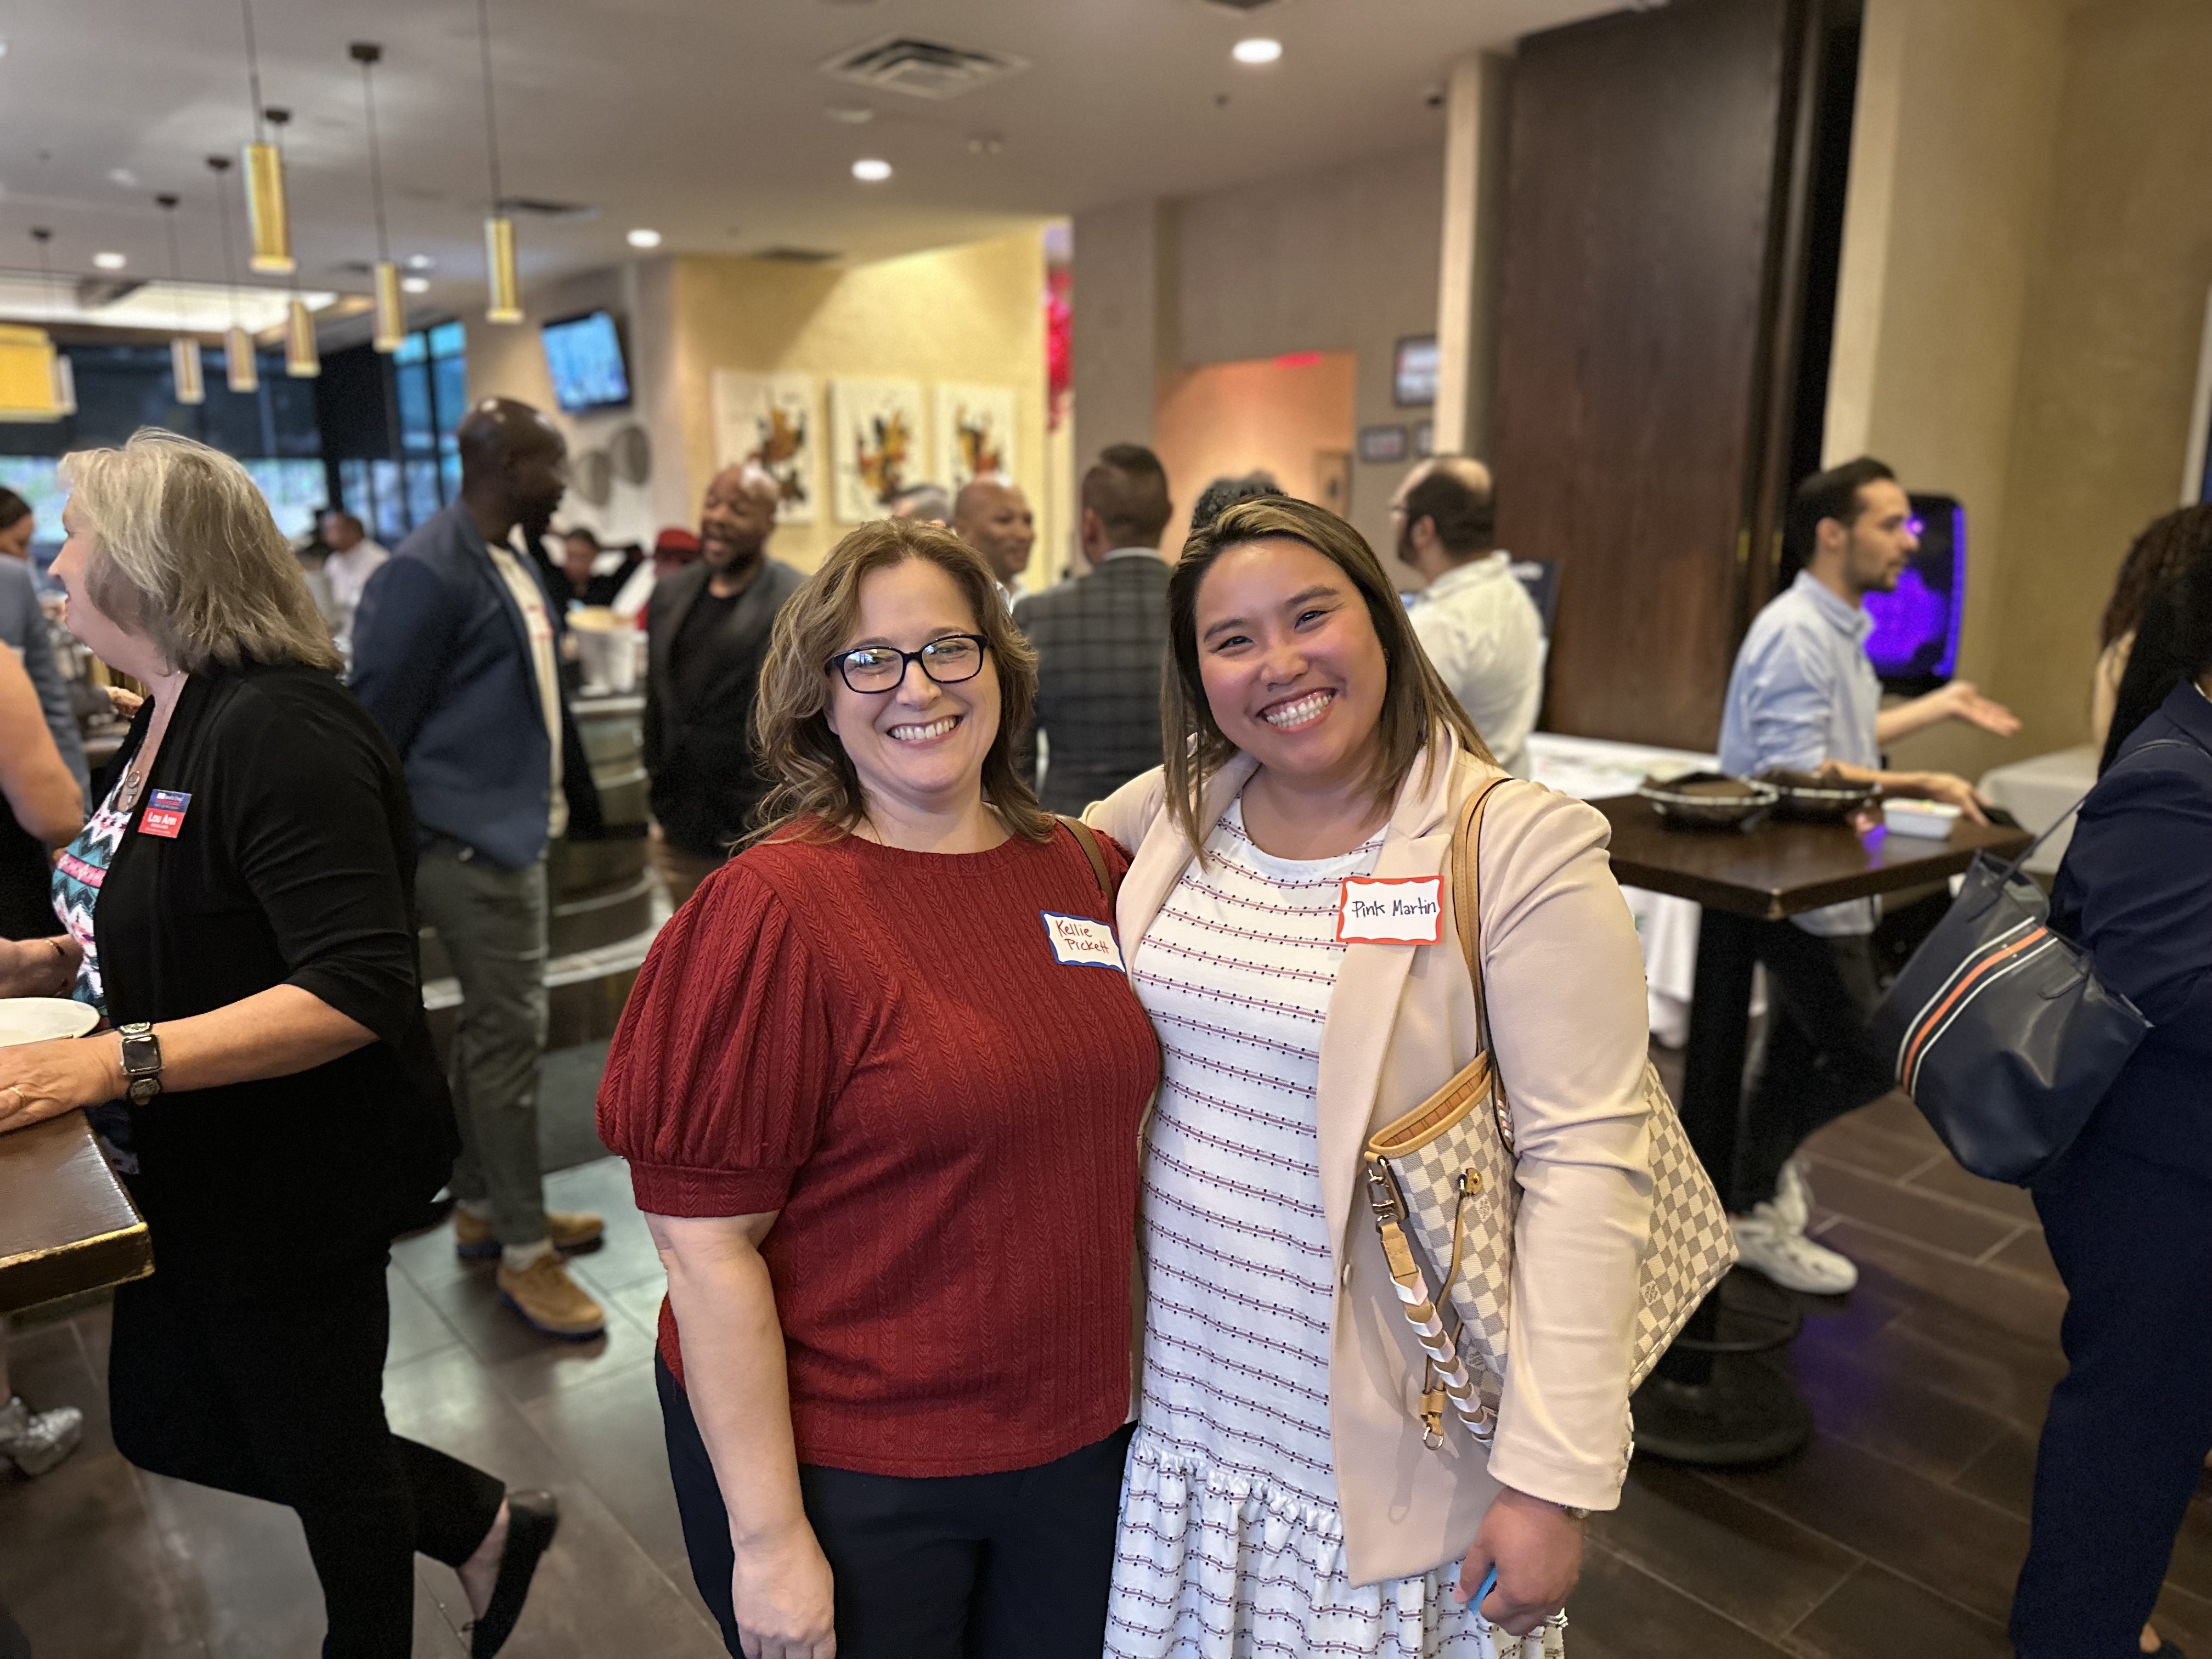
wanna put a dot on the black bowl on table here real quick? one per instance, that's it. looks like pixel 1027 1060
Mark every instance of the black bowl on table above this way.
pixel 1811 798
pixel 1710 800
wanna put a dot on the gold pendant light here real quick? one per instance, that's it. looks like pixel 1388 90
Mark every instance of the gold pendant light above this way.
pixel 240 372
pixel 504 290
pixel 390 330
pixel 184 348
pixel 303 358
pixel 266 219
pixel 61 373
pixel 185 369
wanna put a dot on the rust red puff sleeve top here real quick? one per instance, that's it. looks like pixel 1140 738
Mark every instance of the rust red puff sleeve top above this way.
pixel 895 1052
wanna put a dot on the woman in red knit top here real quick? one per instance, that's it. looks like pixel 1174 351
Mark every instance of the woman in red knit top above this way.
pixel 880 1084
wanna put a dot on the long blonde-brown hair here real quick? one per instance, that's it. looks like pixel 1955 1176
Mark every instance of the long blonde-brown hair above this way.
pixel 185 553
pixel 1418 706
pixel 811 777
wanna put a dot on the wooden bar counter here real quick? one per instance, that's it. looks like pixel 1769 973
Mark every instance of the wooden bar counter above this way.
pixel 66 1224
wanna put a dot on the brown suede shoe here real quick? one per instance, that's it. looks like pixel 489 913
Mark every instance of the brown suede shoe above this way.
pixel 569 1230
pixel 550 1302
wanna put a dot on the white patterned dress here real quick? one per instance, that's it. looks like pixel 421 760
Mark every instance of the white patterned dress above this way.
pixel 1230 1545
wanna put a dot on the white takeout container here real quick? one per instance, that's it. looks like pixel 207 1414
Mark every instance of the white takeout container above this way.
pixel 40 1019
pixel 1933 820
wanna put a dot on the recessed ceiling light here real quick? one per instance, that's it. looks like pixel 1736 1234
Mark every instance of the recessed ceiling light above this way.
pixel 870 171
pixel 420 262
pixel 414 284
pixel 643 238
pixel 110 261
pixel 124 177
pixel 852 115
pixel 1258 50
pixel 4 47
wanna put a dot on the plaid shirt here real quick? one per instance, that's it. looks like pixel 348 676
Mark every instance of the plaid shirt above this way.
pixel 1101 642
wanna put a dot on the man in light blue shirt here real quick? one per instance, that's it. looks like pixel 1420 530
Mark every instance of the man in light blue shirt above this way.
pixel 1803 698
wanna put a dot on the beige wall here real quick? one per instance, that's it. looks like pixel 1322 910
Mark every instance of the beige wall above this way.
pixel 2027 248
pixel 1337 260
pixel 971 313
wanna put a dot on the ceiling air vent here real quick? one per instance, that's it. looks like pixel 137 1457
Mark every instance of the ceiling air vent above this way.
pixel 538 207
pixel 1243 5
pixel 921 68
pixel 799 256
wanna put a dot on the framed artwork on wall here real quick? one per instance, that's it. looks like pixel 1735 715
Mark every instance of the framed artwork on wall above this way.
pixel 1382 443
pixel 975 434
pixel 768 420
pixel 875 435
pixel 1413 371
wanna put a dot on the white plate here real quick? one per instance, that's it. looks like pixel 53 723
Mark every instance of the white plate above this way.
pixel 37 1020
pixel 1932 820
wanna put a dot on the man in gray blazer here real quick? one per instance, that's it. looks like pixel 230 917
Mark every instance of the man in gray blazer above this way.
pixel 22 626
pixel 1102 639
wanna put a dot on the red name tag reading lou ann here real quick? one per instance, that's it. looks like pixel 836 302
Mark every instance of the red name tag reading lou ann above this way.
pixel 165 813
pixel 1390 910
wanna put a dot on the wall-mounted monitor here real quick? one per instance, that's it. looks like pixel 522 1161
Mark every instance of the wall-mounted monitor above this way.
pixel 583 355
pixel 1413 371
pixel 1915 643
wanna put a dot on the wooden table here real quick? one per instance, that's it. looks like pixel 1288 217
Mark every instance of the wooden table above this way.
pixel 1702 1406
pixel 66 1224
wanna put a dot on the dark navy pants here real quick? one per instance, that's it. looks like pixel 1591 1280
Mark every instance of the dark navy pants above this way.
pixel 972 1566
pixel 2130 1425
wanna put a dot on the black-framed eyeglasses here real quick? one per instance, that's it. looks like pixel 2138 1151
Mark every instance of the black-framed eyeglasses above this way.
pixel 878 668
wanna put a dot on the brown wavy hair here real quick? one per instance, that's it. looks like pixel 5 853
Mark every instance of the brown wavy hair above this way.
pixel 1418 706
pixel 2162 552
pixel 813 782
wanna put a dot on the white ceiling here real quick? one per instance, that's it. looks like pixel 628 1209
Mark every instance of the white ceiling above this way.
pixel 704 120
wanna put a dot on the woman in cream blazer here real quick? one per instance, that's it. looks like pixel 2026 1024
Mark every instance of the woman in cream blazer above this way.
pixel 1280 1495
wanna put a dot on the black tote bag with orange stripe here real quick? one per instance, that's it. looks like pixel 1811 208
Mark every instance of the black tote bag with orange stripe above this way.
pixel 1999 1029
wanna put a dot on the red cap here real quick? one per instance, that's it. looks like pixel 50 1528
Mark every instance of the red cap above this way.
pixel 680 544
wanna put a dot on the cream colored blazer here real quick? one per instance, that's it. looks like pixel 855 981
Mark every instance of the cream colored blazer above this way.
pixel 1566 995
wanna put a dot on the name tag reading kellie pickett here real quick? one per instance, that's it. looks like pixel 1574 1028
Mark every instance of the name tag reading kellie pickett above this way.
pixel 1079 942
pixel 1390 910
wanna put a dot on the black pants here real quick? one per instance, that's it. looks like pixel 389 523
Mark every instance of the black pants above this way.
pixel 277 1392
pixel 1820 1063
pixel 2130 1424
pixel 979 1566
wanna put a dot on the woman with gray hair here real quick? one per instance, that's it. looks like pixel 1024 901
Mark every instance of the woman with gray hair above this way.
pixel 240 913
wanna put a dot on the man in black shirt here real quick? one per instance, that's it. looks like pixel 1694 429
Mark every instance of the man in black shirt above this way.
pixel 707 627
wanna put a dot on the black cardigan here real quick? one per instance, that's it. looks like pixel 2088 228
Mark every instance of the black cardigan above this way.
pixel 294 865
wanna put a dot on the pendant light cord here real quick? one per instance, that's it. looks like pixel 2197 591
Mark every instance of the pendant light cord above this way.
pixel 491 118
pixel 187 307
pixel 254 71
pixel 375 164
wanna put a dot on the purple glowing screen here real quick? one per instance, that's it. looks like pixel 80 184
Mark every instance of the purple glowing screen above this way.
pixel 1916 629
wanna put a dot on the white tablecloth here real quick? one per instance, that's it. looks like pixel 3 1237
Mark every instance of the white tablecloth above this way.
pixel 2037 790
pixel 1594 768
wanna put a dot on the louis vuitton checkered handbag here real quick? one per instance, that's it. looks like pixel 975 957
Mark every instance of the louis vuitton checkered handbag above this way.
pixel 1440 1182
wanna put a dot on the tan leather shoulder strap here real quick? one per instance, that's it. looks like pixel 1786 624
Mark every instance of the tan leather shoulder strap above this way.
pixel 1466 904
pixel 1087 839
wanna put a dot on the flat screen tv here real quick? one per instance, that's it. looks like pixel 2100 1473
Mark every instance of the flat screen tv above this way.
pixel 585 356
pixel 1915 643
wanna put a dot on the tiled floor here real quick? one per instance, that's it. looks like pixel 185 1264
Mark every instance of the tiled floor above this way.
pixel 1895 1535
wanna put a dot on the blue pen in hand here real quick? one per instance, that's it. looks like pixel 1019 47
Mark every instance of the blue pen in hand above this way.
pixel 1489 1583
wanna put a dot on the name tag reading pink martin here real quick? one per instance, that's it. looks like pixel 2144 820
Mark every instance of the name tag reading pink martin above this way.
pixel 1390 910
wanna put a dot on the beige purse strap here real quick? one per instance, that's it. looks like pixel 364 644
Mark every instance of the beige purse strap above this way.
pixel 1466 919
pixel 1087 839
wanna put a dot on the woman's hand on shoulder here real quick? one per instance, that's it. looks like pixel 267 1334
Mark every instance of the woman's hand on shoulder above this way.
pixel 781 1593
pixel 1537 1547
pixel 39 1080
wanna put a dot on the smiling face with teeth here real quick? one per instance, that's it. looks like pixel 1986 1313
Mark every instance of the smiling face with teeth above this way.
pixel 918 750
pixel 1294 672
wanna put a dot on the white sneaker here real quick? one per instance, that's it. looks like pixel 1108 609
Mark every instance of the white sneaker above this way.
pixel 1792 1202
pixel 1792 1261
pixel 34 1442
